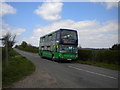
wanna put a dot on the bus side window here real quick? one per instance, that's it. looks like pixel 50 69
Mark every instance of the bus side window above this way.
pixel 43 39
pixel 42 48
pixel 45 48
pixel 46 38
pixel 58 35
pixel 49 37
pixel 53 36
pixel 48 48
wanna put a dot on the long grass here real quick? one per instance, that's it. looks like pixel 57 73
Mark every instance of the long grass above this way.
pixel 17 68
pixel 100 64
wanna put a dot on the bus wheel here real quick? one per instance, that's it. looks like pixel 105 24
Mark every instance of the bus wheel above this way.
pixel 41 55
pixel 53 58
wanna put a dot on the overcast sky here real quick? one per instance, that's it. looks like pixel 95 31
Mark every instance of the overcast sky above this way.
pixel 95 22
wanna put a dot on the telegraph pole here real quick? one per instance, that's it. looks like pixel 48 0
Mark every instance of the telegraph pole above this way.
pixel 6 53
pixel 6 50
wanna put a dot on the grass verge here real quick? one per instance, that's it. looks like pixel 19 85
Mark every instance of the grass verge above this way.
pixel 100 64
pixel 18 68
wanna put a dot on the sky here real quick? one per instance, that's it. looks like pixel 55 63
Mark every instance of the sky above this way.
pixel 95 22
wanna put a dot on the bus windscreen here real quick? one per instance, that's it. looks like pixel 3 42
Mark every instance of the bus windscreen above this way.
pixel 68 36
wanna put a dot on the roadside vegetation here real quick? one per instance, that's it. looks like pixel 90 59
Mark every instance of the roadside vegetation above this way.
pixel 14 66
pixel 107 58
pixel 18 67
pixel 27 47
pixel 100 64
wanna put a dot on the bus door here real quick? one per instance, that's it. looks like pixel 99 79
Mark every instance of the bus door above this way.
pixel 55 49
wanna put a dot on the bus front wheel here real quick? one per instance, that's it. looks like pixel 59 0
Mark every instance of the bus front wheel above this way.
pixel 53 58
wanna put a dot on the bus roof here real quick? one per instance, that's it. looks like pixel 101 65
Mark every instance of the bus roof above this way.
pixel 58 30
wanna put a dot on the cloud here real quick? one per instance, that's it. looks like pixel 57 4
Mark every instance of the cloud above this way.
pixel 8 28
pixel 104 0
pixel 6 9
pixel 109 4
pixel 91 32
pixel 50 10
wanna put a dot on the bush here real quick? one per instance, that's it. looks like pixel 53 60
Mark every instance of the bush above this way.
pixel 84 54
pixel 106 56
pixel 27 47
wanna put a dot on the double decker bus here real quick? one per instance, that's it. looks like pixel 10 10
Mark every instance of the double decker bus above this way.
pixel 59 45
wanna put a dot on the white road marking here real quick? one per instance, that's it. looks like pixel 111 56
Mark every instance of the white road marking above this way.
pixel 92 72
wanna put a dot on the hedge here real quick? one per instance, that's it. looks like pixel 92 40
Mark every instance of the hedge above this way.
pixel 29 49
pixel 106 56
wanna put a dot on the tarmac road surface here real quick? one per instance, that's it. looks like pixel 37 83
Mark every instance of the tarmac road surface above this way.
pixel 50 74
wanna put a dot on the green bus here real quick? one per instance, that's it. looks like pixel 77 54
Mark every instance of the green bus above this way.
pixel 59 45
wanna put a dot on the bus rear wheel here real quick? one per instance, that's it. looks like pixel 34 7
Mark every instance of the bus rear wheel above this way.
pixel 41 55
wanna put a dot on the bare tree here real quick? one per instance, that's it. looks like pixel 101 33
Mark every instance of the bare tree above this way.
pixel 8 41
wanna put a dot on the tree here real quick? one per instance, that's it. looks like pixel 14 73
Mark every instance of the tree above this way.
pixel 16 46
pixel 116 47
pixel 24 44
pixel 8 41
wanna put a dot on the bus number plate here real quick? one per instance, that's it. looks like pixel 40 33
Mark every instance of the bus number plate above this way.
pixel 69 59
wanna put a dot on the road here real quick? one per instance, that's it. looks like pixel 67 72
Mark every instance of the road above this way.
pixel 50 74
